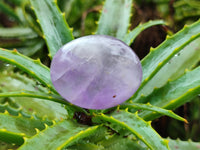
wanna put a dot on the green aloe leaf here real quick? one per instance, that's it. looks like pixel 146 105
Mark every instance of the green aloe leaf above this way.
pixel 4 106
pixel 138 106
pixel 54 26
pixel 29 105
pixel 31 47
pixel 114 142
pixel 86 146
pixel 187 58
pixel 27 47
pixel 7 146
pixel 122 120
pixel 16 37
pixel 115 17
pixel 33 67
pixel 118 142
pixel 17 32
pixel 7 106
pixel 105 139
pixel 161 55
pixel 91 142
pixel 24 39
pixel 58 136
pixel 35 94
pixel 11 137
pixel 14 128
pixel 39 96
pixel 27 17
pixel 8 10
pixel 130 37
pixel 174 93
pixel 183 145
pixel 17 2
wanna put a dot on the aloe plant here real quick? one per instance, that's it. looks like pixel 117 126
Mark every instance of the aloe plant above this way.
pixel 34 116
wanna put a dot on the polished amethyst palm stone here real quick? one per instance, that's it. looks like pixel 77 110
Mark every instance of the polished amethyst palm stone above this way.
pixel 96 72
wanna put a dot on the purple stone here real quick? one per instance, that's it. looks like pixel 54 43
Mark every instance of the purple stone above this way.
pixel 96 72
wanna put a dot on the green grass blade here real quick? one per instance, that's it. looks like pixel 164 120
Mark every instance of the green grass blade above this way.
pixel 33 67
pixel 54 26
pixel 183 145
pixel 161 55
pixel 130 37
pixel 114 20
pixel 138 106
pixel 58 136
pixel 175 93
pixel 122 120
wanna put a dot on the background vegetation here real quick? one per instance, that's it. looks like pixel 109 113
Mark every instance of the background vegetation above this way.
pixel 23 28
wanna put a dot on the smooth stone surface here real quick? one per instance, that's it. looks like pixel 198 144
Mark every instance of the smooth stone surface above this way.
pixel 96 72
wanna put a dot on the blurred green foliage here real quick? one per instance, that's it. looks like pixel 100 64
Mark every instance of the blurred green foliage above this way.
pixel 83 15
